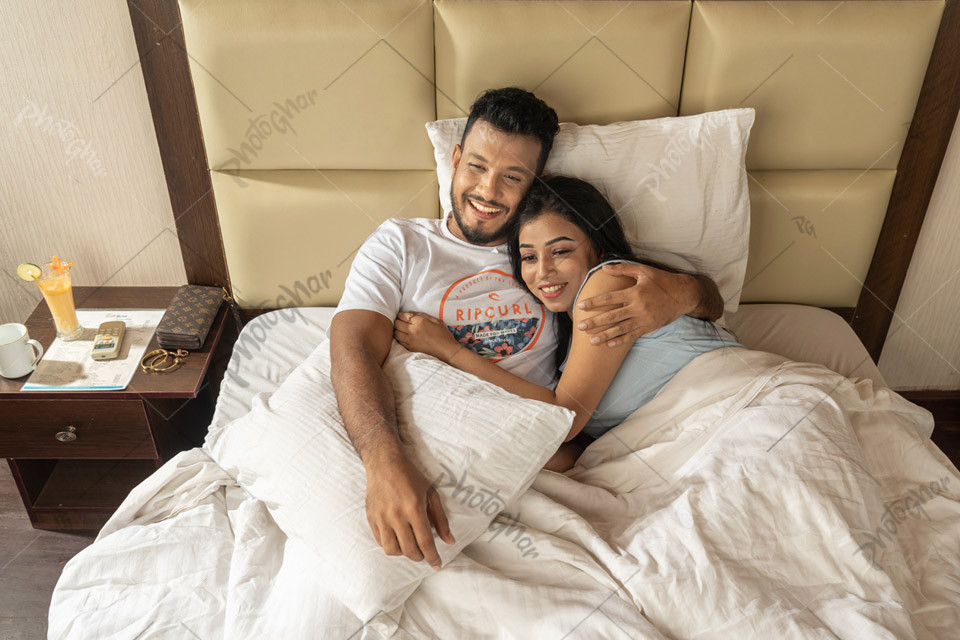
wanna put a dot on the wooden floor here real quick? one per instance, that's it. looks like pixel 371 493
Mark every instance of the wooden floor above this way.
pixel 30 564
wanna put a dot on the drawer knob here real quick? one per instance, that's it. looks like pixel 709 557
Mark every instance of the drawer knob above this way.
pixel 68 434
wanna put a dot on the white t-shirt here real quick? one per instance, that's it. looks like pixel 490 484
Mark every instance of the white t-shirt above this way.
pixel 419 265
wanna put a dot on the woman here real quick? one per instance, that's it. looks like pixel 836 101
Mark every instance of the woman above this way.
pixel 562 236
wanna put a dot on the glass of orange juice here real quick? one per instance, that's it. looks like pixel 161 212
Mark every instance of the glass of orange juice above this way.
pixel 57 290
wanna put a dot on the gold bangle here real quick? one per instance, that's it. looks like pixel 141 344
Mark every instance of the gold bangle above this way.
pixel 170 367
pixel 152 359
pixel 151 362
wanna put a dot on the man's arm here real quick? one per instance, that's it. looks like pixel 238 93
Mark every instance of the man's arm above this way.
pixel 401 502
pixel 658 298
pixel 709 303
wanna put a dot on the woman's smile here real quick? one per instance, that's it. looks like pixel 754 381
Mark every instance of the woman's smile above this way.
pixel 552 290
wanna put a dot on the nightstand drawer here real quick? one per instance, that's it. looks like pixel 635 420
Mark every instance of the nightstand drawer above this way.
pixel 75 429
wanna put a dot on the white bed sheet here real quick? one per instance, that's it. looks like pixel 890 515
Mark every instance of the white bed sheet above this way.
pixel 273 344
pixel 189 554
pixel 268 349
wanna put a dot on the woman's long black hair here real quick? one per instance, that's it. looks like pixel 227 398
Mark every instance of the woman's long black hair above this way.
pixel 582 204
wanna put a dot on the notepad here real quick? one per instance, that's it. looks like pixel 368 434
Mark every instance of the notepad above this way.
pixel 67 366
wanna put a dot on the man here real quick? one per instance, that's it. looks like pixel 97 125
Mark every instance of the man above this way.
pixel 457 269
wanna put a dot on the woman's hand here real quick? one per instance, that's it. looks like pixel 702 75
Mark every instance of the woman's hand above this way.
pixel 424 333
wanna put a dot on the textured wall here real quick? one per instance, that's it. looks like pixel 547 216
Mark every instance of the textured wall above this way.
pixel 922 350
pixel 80 172
pixel 79 159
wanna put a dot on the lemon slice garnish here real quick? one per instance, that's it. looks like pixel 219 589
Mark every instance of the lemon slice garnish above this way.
pixel 29 271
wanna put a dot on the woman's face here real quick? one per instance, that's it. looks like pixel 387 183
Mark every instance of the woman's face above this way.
pixel 555 256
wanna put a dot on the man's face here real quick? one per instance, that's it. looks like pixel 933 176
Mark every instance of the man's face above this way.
pixel 491 174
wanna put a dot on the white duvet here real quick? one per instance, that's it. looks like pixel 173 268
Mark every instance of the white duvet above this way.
pixel 752 498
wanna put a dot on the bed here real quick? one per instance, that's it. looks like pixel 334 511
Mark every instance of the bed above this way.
pixel 793 543
pixel 247 578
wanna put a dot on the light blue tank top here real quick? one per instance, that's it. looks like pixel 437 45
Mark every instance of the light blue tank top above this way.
pixel 651 362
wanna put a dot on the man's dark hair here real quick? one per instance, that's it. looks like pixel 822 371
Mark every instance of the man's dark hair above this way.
pixel 514 110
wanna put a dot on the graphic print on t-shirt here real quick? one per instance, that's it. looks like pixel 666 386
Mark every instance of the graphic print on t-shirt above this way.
pixel 490 313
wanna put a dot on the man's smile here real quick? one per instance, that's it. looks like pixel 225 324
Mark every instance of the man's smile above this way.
pixel 484 211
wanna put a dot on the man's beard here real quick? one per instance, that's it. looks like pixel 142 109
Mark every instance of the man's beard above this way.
pixel 475 235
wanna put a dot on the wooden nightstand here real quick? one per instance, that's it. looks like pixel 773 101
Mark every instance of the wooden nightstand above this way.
pixel 121 436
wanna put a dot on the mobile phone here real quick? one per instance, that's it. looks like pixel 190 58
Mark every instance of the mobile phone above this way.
pixel 106 344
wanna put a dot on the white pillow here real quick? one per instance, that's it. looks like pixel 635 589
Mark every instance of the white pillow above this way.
pixel 481 445
pixel 804 334
pixel 679 185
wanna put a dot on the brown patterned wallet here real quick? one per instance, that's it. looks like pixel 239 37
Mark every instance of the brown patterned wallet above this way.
pixel 189 316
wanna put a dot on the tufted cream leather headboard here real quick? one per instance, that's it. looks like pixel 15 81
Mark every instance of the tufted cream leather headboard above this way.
pixel 312 115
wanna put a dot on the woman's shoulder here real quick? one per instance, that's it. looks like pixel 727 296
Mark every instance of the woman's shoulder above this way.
pixel 599 281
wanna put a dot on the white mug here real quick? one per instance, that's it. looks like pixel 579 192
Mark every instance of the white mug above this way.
pixel 17 351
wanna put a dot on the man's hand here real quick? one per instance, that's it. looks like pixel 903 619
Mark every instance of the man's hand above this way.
pixel 400 502
pixel 401 506
pixel 659 298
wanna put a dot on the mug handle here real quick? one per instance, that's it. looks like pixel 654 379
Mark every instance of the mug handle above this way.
pixel 39 349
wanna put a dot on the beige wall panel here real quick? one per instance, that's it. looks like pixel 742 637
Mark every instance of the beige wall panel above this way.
pixel 290 236
pixel 329 84
pixel 78 155
pixel 84 75
pixel 821 102
pixel 922 350
pixel 594 62
pixel 812 234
